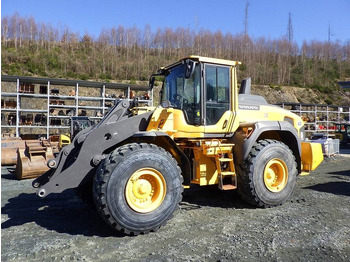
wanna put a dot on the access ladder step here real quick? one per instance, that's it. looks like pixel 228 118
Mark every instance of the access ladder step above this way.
pixel 228 187
pixel 225 159
pixel 224 145
pixel 228 173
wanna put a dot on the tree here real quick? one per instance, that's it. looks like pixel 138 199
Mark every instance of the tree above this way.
pixel 130 53
pixel 4 30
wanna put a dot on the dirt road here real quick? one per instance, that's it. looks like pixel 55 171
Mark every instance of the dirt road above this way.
pixel 211 225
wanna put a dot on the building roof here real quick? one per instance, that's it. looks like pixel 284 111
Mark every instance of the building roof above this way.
pixel 67 82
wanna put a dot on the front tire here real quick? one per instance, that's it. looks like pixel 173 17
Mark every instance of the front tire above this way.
pixel 137 188
pixel 268 177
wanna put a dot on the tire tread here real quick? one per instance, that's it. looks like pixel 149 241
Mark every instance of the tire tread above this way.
pixel 105 171
pixel 246 187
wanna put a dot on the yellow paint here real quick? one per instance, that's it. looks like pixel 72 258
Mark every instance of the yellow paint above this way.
pixel 275 175
pixel 63 141
pixel 145 190
pixel 206 160
pixel 311 156
pixel 269 113
pixel 141 110
pixel 214 60
pixel 162 120
pixel 172 121
pixel 204 168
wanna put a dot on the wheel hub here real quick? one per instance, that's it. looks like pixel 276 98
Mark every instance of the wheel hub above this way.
pixel 145 190
pixel 142 188
pixel 275 175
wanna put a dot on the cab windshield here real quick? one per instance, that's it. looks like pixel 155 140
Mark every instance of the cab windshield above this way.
pixel 184 93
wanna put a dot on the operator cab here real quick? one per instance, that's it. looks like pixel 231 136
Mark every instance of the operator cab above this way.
pixel 200 87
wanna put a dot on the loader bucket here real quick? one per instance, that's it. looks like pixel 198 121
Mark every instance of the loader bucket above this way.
pixel 54 142
pixel 9 147
pixel 32 160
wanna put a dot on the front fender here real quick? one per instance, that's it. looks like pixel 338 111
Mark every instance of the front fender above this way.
pixel 163 140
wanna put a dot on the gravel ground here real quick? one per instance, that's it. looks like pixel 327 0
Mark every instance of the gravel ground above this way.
pixel 211 225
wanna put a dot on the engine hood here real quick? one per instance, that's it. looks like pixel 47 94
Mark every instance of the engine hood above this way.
pixel 252 108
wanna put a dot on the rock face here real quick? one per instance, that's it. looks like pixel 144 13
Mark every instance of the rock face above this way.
pixel 301 95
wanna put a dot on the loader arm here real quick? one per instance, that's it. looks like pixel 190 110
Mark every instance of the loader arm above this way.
pixel 78 161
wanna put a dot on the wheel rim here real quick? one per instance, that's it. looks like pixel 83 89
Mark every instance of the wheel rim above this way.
pixel 145 190
pixel 275 175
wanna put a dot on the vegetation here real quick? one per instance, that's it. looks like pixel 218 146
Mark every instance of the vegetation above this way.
pixel 36 49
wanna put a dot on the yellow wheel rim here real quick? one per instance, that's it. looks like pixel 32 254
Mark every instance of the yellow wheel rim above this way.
pixel 145 190
pixel 275 175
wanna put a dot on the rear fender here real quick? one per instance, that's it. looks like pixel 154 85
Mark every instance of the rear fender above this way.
pixel 279 130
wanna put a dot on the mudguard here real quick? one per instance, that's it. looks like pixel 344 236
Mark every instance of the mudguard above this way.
pixel 244 144
pixel 77 162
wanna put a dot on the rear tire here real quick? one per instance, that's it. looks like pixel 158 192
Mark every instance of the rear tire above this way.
pixel 268 177
pixel 137 188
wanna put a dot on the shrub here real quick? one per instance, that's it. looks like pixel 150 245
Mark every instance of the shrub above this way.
pixel 329 101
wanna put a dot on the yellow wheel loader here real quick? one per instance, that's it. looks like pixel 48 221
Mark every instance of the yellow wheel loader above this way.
pixel 136 162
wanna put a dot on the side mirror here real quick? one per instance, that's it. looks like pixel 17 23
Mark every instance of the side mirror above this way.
pixel 152 79
pixel 190 66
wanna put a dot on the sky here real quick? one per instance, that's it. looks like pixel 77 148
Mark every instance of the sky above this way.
pixel 311 19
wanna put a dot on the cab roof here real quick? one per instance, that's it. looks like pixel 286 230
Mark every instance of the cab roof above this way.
pixel 214 60
pixel 204 59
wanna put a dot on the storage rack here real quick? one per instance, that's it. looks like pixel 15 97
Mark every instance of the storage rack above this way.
pixel 319 118
pixel 73 102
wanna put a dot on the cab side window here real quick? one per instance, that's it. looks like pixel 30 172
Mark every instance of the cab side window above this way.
pixel 217 90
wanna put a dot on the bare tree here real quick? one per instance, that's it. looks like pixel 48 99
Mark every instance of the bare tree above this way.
pixel 4 30
pixel 32 29
pixel 14 28
pixel 131 53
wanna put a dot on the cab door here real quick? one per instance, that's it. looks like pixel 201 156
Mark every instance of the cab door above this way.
pixel 217 98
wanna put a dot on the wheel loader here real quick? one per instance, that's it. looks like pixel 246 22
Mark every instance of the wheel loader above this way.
pixel 135 163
